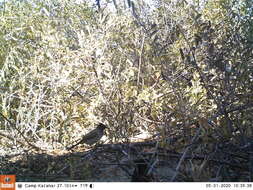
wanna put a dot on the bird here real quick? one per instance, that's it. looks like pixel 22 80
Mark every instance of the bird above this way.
pixel 92 137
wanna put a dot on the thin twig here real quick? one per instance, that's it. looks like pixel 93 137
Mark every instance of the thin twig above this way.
pixel 140 60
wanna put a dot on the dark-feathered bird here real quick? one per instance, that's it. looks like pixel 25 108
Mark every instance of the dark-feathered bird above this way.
pixel 92 137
